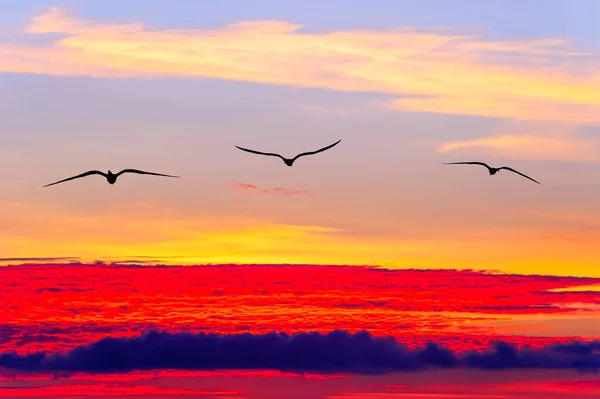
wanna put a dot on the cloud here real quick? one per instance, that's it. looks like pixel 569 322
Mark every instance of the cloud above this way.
pixel 577 355
pixel 461 309
pixel 63 258
pixel 531 147
pixel 527 140
pixel 338 351
pixel 274 191
pixel 56 289
pixel 437 70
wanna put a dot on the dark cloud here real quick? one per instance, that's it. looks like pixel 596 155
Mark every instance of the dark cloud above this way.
pixel 367 304
pixel 55 290
pixel 338 351
pixel 578 355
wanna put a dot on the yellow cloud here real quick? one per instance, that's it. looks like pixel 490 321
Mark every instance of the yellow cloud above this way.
pixel 433 70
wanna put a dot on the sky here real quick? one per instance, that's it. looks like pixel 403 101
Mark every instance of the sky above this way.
pixel 406 86
pixel 376 237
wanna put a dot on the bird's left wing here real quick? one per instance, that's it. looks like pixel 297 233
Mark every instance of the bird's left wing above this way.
pixel 317 151
pixel 141 172
pixel 270 154
pixel 519 173
pixel 91 172
pixel 467 163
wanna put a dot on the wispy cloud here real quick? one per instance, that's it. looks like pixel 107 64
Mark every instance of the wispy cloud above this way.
pixel 62 258
pixel 532 141
pixel 530 147
pixel 273 191
pixel 431 70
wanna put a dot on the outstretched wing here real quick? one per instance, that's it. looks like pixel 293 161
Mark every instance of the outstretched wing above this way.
pixel 271 154
pixel 519 173
pixel 91 172
pixel 317 151
pixel 141 172
pixel 467 163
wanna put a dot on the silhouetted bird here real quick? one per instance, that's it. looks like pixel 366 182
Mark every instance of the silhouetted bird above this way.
pixel 110 176
pixel 287 161
pixel 492 171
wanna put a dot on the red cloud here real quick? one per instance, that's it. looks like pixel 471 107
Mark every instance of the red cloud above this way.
pixel 58 307
pixel 274 191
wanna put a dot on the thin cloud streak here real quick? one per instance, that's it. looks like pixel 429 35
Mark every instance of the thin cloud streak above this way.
pixel 47 259
pixel 244 187
pixel 434 70
pixel 532 140
pixel 532 147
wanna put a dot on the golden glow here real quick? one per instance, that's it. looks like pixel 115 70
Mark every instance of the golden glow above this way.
pixel 198 240
pixel 439 70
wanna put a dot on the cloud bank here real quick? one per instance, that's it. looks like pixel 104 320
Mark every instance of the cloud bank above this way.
pixel 441 70
pixel 338 351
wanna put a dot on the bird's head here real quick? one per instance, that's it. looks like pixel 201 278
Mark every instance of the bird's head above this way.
pixel 288 162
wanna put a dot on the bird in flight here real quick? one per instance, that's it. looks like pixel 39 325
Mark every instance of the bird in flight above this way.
pixel 289 161
pixel 110 176
pixel 492 171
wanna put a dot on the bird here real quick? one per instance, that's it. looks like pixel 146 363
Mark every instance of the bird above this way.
pixel 492 171
pixel 289 161
pixel 110 176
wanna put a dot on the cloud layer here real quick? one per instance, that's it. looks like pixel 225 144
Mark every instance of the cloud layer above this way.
pixel 462 310
pixel 432 70
pixel 338 351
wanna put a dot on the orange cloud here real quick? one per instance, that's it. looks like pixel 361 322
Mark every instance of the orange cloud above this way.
pixel 435 70
pixel 532 147
pixel 528 141
pixel 274 191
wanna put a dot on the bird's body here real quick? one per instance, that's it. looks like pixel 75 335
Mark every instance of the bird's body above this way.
pixel 289 161
pixel 111 177
pixel 491 170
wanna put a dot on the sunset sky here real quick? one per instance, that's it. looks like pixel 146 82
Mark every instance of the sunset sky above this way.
pixel 173 86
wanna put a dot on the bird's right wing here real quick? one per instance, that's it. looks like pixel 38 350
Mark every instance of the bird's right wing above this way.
pixel 91 172
pixel 271 154
pixel 467 163
pixel 141 172
pixel 519 173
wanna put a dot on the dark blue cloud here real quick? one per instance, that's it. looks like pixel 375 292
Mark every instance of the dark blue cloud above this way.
pixel 578 355
pixel 338 351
